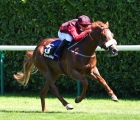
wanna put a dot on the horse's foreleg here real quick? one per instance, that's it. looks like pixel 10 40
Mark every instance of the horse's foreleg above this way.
pixel 77 76
pixel 96 75
pixel 43 93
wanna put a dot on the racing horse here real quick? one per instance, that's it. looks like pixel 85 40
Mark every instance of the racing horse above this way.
pixel 77 60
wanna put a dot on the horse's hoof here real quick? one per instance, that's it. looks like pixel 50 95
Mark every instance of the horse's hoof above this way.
pixel 69 107
pixel 76 99
pixel 114 98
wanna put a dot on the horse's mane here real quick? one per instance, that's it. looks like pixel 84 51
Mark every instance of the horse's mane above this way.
pixel 98 24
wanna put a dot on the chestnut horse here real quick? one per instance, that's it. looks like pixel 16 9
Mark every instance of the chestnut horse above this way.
pixel 77 60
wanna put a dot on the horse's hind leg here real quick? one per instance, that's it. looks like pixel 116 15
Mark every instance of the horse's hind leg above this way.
pixel 41 63
pixel 43 93
pixel 96 75
pixel 49 85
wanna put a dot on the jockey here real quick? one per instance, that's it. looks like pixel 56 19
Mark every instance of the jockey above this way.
pixel 75 29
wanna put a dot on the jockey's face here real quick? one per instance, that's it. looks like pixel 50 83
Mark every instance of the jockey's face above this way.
pixel 83 27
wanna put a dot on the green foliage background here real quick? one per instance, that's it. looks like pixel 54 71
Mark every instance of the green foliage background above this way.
pixel 26 22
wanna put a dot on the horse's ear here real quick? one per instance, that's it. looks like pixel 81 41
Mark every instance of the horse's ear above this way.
pixel 107 23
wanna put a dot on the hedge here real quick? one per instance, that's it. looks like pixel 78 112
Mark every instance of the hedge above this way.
pixel 26 22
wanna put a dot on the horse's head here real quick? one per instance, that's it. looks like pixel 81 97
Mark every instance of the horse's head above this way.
pixel 105 38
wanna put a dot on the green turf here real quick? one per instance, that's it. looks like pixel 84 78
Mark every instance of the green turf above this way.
pixel 13 107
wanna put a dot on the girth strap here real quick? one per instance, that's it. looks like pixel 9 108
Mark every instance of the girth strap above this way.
pixel 60 65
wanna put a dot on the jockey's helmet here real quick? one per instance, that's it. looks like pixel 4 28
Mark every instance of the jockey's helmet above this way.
pixel 84 20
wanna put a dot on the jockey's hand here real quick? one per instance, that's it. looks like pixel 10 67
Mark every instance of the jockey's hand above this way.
pixel 87 31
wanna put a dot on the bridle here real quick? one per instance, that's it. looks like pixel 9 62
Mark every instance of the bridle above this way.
pixel 105 45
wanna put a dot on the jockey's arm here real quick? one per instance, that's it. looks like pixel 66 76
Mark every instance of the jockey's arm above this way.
pixel 75 35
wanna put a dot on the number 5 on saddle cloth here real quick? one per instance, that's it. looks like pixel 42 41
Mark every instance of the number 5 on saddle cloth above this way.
pixel 50 49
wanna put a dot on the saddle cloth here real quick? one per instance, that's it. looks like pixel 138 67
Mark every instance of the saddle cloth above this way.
pixel 50 49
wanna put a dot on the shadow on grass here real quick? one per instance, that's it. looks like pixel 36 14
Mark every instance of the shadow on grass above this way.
pixel 36 94
pixel 15 111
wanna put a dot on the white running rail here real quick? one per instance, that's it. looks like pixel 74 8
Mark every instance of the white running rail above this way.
pixel 24 48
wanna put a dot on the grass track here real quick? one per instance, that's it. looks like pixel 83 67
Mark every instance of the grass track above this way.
pixel 29 108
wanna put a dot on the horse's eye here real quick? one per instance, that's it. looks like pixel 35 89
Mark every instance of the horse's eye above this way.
pixel 103 37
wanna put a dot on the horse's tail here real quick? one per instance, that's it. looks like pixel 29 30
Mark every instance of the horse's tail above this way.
pixel 28 67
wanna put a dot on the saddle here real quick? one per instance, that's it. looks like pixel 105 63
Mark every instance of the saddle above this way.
pixel 50 49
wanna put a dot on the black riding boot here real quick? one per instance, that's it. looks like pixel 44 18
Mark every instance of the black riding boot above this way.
pixel 59 49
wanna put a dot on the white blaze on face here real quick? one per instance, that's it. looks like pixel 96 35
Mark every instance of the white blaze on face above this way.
pixel 109 34
pixel 111 41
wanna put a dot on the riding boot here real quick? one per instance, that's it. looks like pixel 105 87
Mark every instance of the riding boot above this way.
pixel 59 49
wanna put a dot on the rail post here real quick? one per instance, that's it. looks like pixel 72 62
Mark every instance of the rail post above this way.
pixel 2 71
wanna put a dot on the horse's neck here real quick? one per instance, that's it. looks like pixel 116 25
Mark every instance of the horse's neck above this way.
pixel 85 46
pixel 93 39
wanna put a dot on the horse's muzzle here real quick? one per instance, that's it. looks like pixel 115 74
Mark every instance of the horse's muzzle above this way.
pixel 113 50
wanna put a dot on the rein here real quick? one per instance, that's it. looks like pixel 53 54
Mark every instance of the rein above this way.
pixel 60 65
pixel 90 36
pixel 80 53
